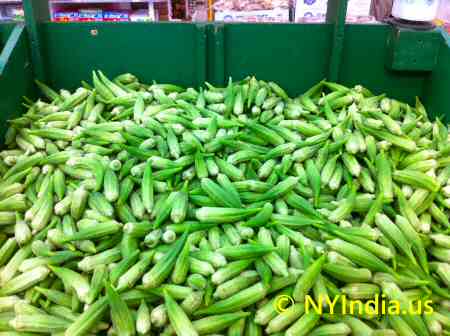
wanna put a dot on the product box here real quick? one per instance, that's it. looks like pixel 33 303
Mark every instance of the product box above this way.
pixel 249 5
pixel 310 10
pixel 141 15
pixel 272 15
pixel 198 10
pixel 358 11
pixel 68 16
pixel 358 8
pixel 116 16
pixel 90 15
pixel 14 12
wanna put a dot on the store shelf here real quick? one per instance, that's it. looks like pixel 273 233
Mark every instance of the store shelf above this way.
pixel 110 10
pixel 97 1
pixel 102 2
pixel 11 10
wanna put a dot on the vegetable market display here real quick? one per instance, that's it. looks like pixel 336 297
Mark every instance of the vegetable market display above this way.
pixel 130 209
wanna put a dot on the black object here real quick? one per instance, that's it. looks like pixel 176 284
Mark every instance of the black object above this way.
pixel 414 25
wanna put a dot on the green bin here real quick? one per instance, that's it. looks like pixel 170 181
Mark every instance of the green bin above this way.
pixel 402 63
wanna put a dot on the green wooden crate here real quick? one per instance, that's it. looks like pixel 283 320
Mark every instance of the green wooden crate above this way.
pixel 401 63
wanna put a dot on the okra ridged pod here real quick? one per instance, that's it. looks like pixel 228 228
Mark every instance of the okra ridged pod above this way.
pixel 416 322
pixel 230 270
pixel 40 323
pixel 161 270
pixel 246 251
pixel 24 281
pixel 106 257
pixel 237 301
pixel 72 279
pixel 285 318
pixel 303 325
pixel 306 281
pixel 395 235
pixel 359 255
pixel 223 215
pixel 332 329
pixel 120 314
pixel 178 318
pixel 235 285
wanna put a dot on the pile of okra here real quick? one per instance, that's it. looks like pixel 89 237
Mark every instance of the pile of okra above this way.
pixel 136 209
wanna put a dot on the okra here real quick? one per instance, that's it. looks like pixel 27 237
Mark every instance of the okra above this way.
pixel 237 301
pixel 120 314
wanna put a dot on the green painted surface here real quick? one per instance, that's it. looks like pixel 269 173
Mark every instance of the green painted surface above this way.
pixel 364 62
pixel 172 52
pixel 5 29
pixel 16 76
pixel 410 50
pixel 336 15
pixel 436 95
pixel 295 56
pixel 187 54
pixel 216 54
pixel 35 12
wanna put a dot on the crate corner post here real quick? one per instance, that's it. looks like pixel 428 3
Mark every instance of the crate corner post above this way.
pixel 201 53
pixel 36 11
pixel 216 70
pixel 336 15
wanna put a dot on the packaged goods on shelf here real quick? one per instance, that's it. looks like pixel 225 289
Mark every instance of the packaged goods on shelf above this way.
pixel 197 10
pixel 200 14
pixel 109 11
pixel 116 16
pixel 270 15
pixel 252 10
pixel 310 10
pixel 14 12
pixel 90 14
pixel 66 16
pixel 249 5
pixel 143 15
pixel 358 11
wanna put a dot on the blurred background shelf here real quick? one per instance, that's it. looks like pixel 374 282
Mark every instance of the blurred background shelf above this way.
pixel 11 10
pixel 110 10
pixel 300 11
pixel 100 10
pixel 96 1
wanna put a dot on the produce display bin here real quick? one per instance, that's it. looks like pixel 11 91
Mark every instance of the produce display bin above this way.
pixel 401 63
pixel 295 182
